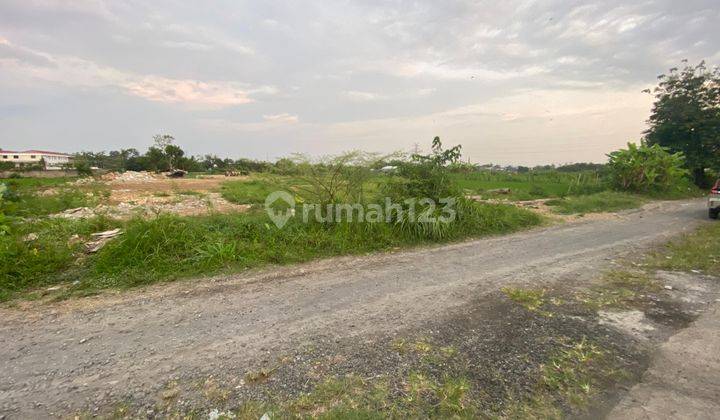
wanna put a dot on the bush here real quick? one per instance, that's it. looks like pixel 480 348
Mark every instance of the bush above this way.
pixel 646 169
pixel 83 168
pixel 427 176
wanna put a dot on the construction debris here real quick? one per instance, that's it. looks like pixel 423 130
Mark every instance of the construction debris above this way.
pixel 128 176
pixel 84 181
pixel 30 237
pixel 101 238
pixel 499 191
pixel 151 205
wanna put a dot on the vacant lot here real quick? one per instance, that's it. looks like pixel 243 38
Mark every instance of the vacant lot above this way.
pixel 165 229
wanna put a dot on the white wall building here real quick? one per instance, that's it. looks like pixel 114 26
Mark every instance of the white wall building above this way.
pixel 53 160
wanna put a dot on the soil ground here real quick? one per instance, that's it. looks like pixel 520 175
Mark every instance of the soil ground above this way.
pixel 194 344
pixel 146 194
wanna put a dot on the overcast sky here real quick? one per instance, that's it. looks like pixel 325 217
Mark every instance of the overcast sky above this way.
pixel 522 82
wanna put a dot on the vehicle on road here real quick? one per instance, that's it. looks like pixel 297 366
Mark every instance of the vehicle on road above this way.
pixel 714 201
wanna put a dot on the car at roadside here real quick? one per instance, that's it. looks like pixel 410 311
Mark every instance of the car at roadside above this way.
pixel 714 201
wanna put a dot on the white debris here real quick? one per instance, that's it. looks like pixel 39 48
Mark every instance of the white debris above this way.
pixel 102 238
pixel 216 414
pixel 128 176
pixel 107 234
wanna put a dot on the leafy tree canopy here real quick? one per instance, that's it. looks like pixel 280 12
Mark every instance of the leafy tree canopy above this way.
pixel 686 117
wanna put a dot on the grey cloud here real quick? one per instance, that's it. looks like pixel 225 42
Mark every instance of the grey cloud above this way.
pixel 307 76
pixel 23 55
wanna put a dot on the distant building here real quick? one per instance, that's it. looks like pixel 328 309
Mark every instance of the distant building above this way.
pixel 52 160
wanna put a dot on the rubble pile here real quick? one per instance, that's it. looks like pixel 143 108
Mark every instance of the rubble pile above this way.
pixel 128 176
pixel 150 206
pixel 84 181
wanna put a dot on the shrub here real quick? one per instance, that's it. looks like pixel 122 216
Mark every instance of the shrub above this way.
pixel 83 168
pixel 646 168
pixel 427 176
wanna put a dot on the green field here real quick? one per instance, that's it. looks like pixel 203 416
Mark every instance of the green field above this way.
pixel 532 185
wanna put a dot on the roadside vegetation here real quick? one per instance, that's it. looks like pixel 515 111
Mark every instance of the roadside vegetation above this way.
pixel 698 251
pixel 606 201
pixel 49 251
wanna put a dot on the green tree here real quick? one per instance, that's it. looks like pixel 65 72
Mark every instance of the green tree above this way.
pixel 686 117
pixel 156 160
pixel 174 155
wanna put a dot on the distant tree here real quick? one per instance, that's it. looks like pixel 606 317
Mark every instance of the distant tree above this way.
pixel 581 166
pixel 686 117
pixel 161 141
pixel 156 160
pixel 174 155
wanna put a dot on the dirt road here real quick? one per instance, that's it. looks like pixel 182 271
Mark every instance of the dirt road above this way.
pixel 82 354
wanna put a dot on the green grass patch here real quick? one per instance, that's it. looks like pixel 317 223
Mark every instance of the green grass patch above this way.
pixel 353 397
pixel 571 377
pixel 171 247
pixel 32 263
pixel 532 300
pixel 32 197
pixel 606 201
pixel 699 251
pixel 570 373
pixel 532 185
pixel 251 191
pixel 618 289
pixel 190 192
pixel 37 183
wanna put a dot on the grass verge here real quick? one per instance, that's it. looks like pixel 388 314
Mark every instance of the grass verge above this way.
pixel 33 197
pixel 170 247
pixel 698 251
pixel 251 191
pixel 606 201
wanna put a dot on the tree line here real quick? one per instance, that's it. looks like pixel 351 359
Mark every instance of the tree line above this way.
pixel 685 118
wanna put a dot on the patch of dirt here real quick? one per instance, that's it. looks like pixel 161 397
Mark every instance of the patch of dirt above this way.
pixel 631 322
pixel 147 206
pixel 540 206
pixel 146 194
